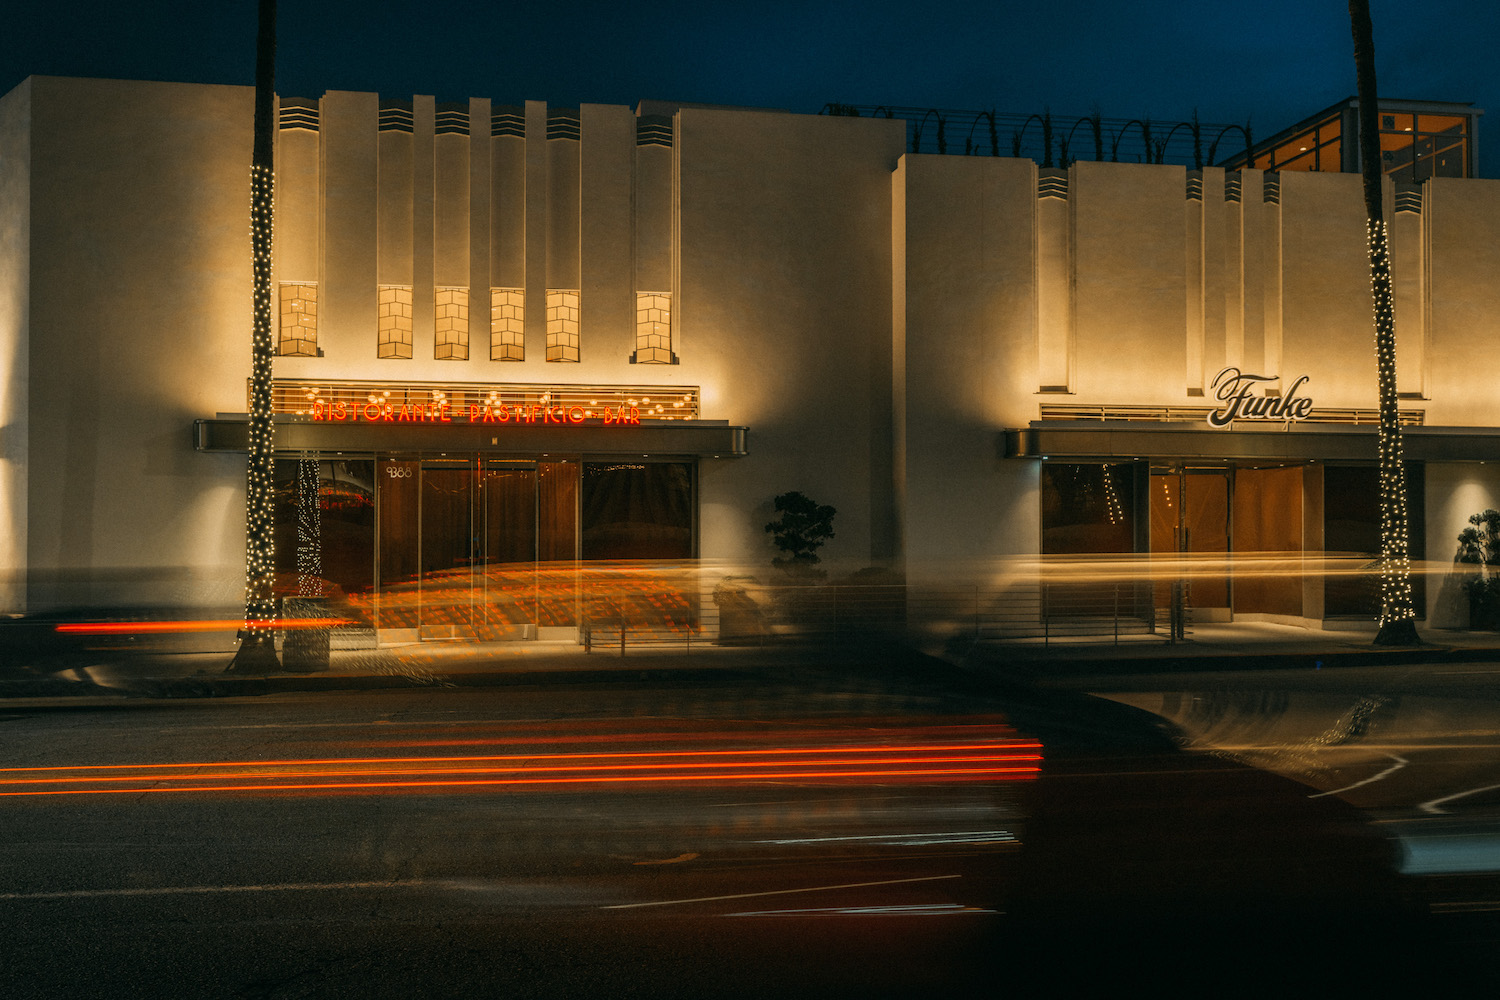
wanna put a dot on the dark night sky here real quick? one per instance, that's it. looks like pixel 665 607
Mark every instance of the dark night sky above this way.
pixel 1272 63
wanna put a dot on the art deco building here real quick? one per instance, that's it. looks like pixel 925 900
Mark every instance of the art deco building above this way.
pixel 556 338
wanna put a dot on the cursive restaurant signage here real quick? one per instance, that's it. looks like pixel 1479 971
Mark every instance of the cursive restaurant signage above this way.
pixel 441 412
pixel 1233 389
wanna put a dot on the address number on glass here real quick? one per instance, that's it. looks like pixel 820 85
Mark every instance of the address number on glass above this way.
pixel 398 471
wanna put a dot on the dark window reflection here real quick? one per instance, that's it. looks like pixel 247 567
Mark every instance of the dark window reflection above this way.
pixel 1087 508
pixel 637 511
pixel 1090 508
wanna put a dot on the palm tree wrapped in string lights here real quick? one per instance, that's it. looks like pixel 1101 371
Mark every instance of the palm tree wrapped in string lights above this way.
pixel 1397 607
pixel 257 652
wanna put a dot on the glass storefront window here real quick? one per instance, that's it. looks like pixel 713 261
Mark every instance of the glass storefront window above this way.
pixel 637 510
pixel 468 546
pixel 346 502
pixel 1088 508
pixel 398 486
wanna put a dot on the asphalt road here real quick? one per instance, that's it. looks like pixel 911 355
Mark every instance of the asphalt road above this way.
pixel 827 834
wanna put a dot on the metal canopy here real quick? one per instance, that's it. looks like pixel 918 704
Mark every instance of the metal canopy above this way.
pixel 1124 440
pixel 698 437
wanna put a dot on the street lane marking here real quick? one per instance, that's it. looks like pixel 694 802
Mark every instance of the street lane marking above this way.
pixel 199 890
pixel 911 839
pixel 1400 763
pixel 1475 906
pixel 1434 806
pixel 912 910
pixel 776 892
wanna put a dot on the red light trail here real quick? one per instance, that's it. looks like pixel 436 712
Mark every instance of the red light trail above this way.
pixel 133 628
pixel 883 762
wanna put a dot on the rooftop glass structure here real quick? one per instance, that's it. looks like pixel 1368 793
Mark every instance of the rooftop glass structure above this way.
pixel 1418 140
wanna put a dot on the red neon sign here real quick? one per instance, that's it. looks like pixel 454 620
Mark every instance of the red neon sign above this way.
pixel 384 411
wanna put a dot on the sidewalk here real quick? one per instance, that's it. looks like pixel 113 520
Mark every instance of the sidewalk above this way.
pixel 1242 645
pixel 1211 648
pixel 411 665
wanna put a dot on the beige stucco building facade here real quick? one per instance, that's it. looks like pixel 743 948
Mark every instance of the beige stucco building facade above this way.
pixel 492 309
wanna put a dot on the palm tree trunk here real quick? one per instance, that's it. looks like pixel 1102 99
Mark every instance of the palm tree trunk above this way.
pixel 257 652
pixel 1397 609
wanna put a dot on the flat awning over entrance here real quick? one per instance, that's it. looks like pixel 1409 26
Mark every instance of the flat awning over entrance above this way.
pixel 1126 440
pixel 706 438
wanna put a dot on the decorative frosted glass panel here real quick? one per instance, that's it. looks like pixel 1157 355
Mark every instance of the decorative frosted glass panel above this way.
pixel 653 329
pixel 507 324
pixel 562 324
pixel 298 334
pixel 395 321
pixel 452 315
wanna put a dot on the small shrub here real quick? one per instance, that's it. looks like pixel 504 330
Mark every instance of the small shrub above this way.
pixel 801 528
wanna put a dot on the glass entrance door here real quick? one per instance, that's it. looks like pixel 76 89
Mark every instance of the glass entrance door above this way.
pixel 476 547
pixel 506 585
pixel 479 548
pixel 451 548
pixel 1190 514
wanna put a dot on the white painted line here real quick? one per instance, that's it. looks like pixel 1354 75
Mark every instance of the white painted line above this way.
pixel 913 910
pixel 1435 806
pixel 1400 763
pixel 776 892
pixel 203 890
pixel 910 839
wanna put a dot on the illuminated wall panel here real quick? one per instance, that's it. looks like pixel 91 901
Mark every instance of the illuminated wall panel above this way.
pixel 507 324
pixel 653 329
pixel 298 327
pixel 395 321
pixel 452 319
pixel 562 324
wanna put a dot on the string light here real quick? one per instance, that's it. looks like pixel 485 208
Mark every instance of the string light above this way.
pixel 260 549
pixel 1397 604
pixel 1112 505
pixel 309 529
